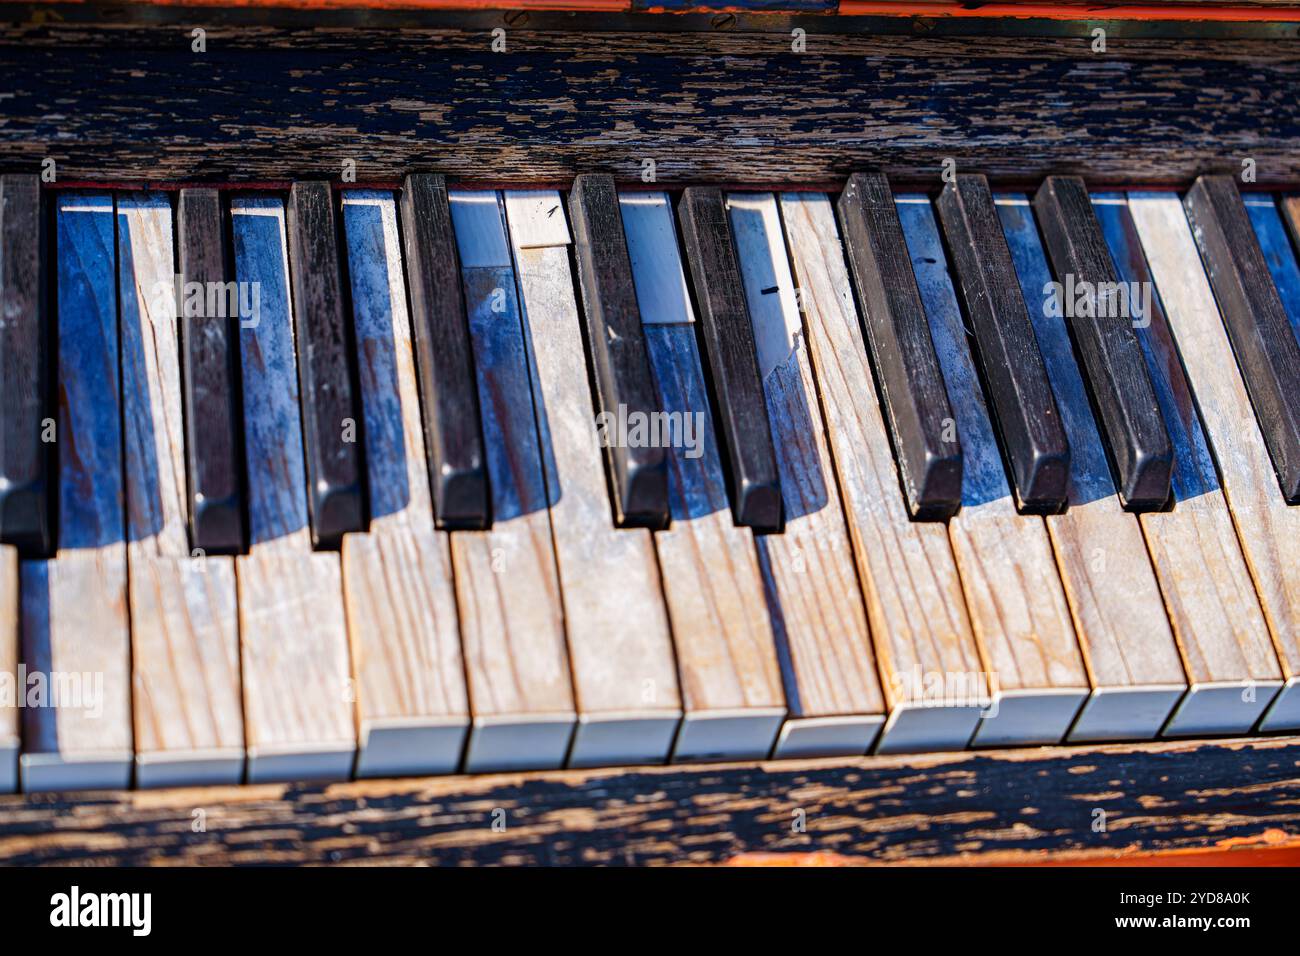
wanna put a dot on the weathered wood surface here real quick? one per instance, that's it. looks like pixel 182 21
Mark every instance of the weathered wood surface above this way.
pixel 999 806
pixel 720 106
pixel 189 724
pixel 298 691
pixel 732 700
pixel 818 613
pixel 399 596
pixel 1115 600
pixel 620 641
pixel 1013 590
pixel 1211 601
pixel 507 581
pixel 914 600
pixel 74 606
pixel 1267 528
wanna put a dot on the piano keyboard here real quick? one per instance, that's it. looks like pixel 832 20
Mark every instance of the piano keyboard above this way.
pixel 377 482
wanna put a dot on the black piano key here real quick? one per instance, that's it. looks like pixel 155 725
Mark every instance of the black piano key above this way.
pixel 331 414
pixel 728 337
pixel 618 353
pixel 915 400
pixel 453 428
pixel 1122 393
pixel 1020 394
pixel 25 519
pixel 209 359
pixel 1257 324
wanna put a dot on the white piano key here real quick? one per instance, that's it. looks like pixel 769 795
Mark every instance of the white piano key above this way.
pixel 74 607
pixel 914 599
pixel 399 595
pixel 189 725
pixel 298 688
pixel 1012 586
pixel 1267 528
pixel 1136 674
pixel 507 582
pixel 1215 614
pixel 823 640
pixel 726 657
pixel 625 681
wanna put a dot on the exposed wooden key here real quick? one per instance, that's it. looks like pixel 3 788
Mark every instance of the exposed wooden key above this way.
pixel 25 461
pixel 1261 335
pixel 1268 530
pixel 189 722
pixel 412 705
pixel 1215 613
pixel 9 723
pixel 919 623
pixel 1101 315
pixel 453 431
pixel 624 385
pixel 298 689
pixel 917 410
pixel 209 360
pixel 734 357
pixel 1133 664
pixel 1021 401
pixel 832 689
pixel 331 414
pixel 1013 590
pixel 620 642
pixel 732 700
pixel 74 606
pixel 512 610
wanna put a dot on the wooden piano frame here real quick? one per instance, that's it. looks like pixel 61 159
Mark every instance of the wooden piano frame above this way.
pixel 1232 802
pixel 111 93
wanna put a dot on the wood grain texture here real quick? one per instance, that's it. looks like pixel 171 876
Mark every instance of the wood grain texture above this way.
pixel 187 708
pixel 918 617
pixel 916 406
pixel 209 361
pixel 1021 403
pixel 620 643
pixel 298 690
pixel 1212 606
pixel 1101 324
pixel 1013 591
pixel 992 806
pixel 1119 617
pixel 74 610
pixel 732 700
pixel 1267 529
pixel 25 460
pixel 9 686
pixel 822 636
pixel 400 599
pixel 718 106
pixel 638 473
pixel 1263 340
pixel 507 584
